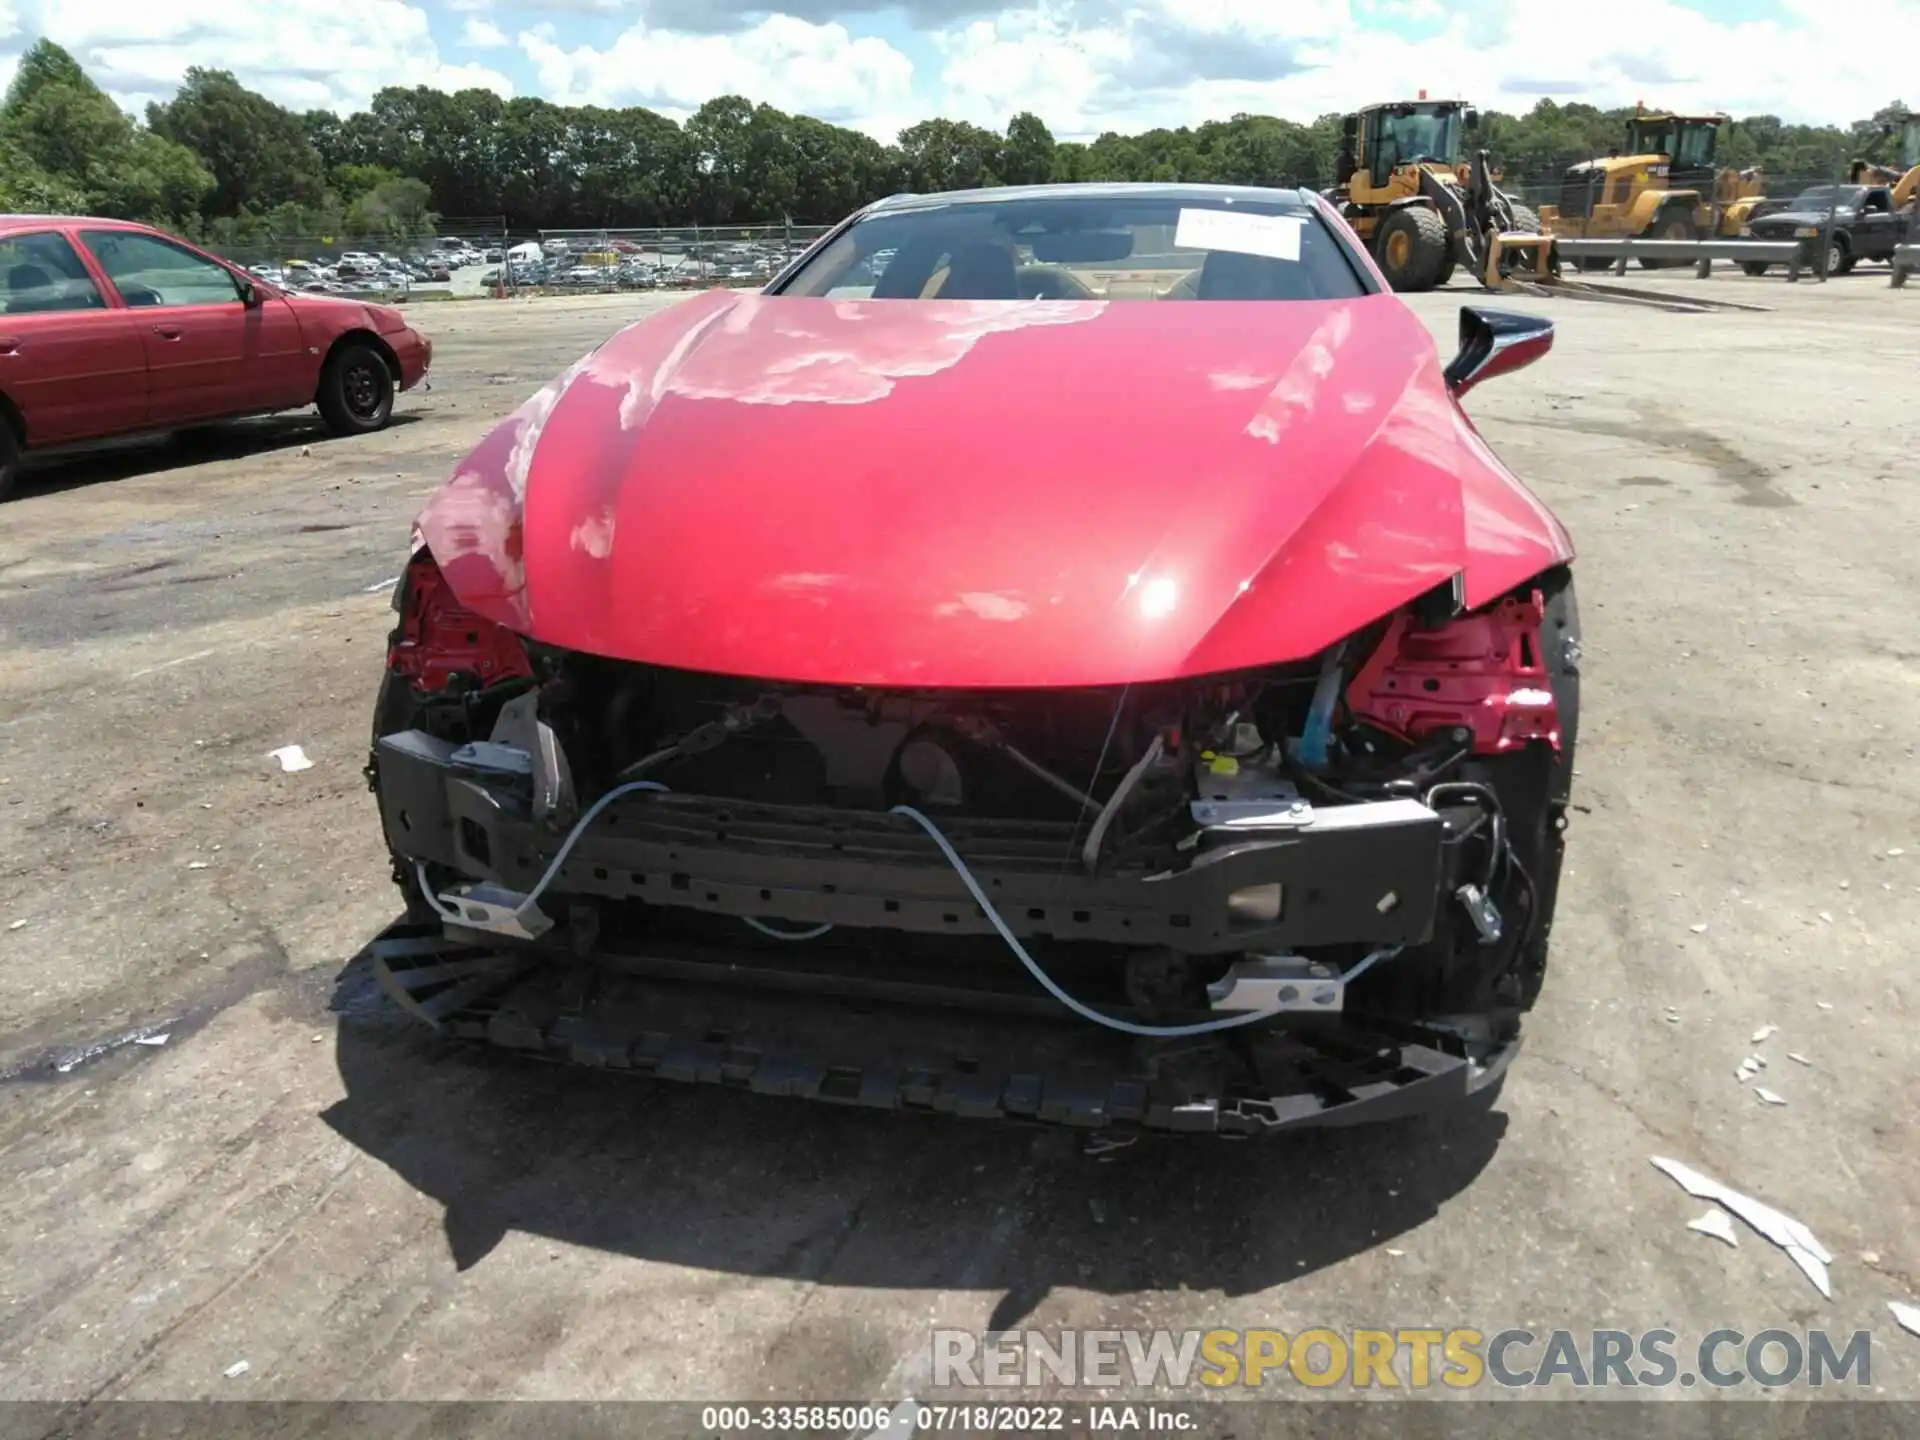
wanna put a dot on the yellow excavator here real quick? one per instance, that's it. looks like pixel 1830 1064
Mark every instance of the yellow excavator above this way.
pixel 1665 186
pixel 1408 193
pixel 1903 178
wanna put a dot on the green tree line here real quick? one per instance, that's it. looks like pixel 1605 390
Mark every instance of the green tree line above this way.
pixel 226 164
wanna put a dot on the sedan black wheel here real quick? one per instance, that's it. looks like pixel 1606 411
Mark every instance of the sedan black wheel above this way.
pixel 356 390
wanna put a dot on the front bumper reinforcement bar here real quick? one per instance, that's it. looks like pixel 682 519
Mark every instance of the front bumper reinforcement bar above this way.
pixel 1339 883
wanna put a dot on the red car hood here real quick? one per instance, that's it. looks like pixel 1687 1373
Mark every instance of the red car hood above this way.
pixel 984 494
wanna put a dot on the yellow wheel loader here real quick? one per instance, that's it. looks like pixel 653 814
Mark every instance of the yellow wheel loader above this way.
pixel 1666 186
pixel 1902 177
pixel 1406 191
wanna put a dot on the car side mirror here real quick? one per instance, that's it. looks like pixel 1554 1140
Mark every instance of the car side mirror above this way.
pixel 1495 342
pixel 250 295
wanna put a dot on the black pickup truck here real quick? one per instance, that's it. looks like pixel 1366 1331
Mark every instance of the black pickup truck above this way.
pixel 1864 225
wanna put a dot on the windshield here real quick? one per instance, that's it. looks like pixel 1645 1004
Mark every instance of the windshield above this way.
pixel 1059 247
pixel 1421 135
pixel 1688 145
pixel 1820 197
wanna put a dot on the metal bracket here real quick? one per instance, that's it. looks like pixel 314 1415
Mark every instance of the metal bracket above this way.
pixel 1482 911
pixel 494 910
pixel 1279 983
pixel 493 758
pixel 520 727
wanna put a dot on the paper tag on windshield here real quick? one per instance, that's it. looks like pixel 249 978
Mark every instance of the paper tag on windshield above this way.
pixel 1277 237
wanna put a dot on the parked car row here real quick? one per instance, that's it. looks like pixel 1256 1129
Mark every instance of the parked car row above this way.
pixel 589 270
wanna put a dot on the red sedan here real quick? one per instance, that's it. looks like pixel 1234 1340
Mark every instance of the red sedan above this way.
pixel 110 328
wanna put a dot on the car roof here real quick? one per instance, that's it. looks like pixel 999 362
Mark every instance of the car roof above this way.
pixel 1116 190
pixel 41 222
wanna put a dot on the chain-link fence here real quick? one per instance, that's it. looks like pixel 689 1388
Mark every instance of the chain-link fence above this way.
pixel 497 259
pixel 1577 193
pixel 470 256
pixel 450 262
pixel 683 257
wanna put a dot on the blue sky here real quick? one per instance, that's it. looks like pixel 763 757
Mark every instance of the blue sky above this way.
pixel 1082 65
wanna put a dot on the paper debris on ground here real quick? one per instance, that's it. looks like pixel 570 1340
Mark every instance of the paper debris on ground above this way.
pixel 291 758
pixel 18 925
pixel 160 1039
pixel 196 865
pixel 1768 1096
pixel 1749 1068
pixel 1698 929
pixel 1907 1315
pixel 1763 1032
pixel 236 1369
pixel 1798 1058
pixel 1783 1230
pixel 1718 1224
pixel 379 585
pixel 1824 1004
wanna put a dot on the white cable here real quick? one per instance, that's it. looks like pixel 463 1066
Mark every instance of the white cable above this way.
pixel 811 933
pixel 1091 852
pixel 1085 1012
pixel 559 859
pixel 1047 982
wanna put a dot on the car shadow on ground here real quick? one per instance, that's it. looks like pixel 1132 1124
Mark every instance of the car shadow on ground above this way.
pixel 740 1183
pixel 54 471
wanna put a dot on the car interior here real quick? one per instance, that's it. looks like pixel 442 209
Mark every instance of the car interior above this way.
pixel 35 281
pixel 966 253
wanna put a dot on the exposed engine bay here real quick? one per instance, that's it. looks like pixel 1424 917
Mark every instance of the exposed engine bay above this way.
pixel 1351 859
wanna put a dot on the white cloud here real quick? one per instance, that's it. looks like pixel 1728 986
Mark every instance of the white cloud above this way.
pixel 819 70
pixel 9 38
pixel 1083 65
pixel 480 34
pixel 1091 65
pixel 331 56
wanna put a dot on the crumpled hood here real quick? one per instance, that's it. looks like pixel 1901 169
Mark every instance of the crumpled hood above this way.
pixel 983 494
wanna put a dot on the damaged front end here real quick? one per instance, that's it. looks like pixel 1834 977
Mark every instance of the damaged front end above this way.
pixel 1311 894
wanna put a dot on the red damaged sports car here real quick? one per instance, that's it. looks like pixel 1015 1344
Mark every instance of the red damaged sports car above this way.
pixel 1059 654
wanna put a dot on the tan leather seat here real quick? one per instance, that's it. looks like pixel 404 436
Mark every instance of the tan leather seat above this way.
pixel 981 271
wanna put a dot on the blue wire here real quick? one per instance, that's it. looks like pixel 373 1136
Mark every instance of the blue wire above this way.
pixel 579 829
pixel 1085 1012
pixel 765 929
